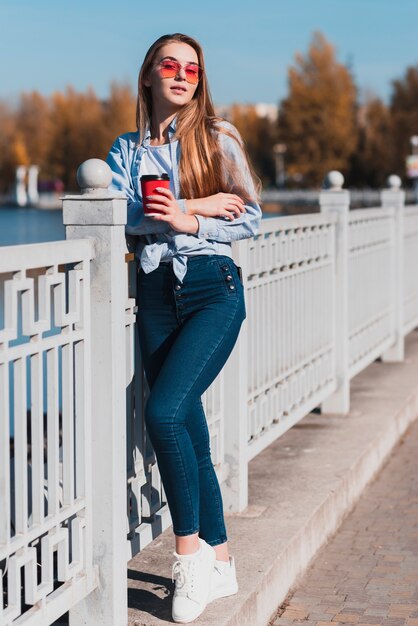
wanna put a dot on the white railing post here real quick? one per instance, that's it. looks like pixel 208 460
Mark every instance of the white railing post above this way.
pixel 336 201
pixel 395 197
pixel 235 488
pixel 100 214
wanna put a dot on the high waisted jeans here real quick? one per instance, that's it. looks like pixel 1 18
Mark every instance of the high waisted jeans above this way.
pixel 186 332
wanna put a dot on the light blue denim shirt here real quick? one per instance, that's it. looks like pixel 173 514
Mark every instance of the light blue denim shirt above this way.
pixel 157 240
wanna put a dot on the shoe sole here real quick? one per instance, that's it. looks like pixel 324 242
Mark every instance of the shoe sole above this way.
pixel 186 620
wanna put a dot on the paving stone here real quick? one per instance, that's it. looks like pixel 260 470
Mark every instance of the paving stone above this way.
pixel 367 574
pixel 335 609
pixel 321 616
pixel 356 606
pixel 401 610
pixel 351 618
pixel 376 611
pixel 294 614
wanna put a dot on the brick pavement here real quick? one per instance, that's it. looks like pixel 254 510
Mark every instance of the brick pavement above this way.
pixel 368 572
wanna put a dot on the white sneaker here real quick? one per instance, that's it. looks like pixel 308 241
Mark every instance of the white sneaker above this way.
pixel 224 579
pixel 193 575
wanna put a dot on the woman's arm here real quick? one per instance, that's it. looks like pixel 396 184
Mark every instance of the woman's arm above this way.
pixel 248 222
pixel 219 205
pixel 137 222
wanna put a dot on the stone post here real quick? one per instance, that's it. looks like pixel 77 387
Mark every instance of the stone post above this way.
pixel 395 197
pixel 235 488
pixel 101 215
pixel 336 201
pixel 21 197
pixel 33 195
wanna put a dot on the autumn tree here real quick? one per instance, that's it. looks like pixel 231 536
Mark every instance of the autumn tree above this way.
pixel 260 134
pixel 317 120
pixel 119 114
pixel 7 134
pixel 371 162
pixel 34 127
pixel 404 117
pixel 76 123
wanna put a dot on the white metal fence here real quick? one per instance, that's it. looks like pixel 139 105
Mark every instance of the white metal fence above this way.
pixel 326 294
pixel 289 291
pixel 45 431
pixel 407 276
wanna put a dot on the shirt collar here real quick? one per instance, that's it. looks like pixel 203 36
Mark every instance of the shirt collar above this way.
pixel 171 131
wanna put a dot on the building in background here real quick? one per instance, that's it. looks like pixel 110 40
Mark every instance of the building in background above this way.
pixel 263 110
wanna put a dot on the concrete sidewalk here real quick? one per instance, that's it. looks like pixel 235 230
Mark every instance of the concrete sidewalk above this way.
pixel 301 488
pixel 368 572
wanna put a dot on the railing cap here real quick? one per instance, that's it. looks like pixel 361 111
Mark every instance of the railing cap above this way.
pixel 94 175
pixel 394 182
pixel 334 181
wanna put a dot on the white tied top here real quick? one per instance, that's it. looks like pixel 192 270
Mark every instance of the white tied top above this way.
pixel 157 160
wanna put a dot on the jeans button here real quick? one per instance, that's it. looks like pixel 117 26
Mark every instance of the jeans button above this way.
pixel 229 278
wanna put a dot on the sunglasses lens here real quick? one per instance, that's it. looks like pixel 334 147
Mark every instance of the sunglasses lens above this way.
pixel 169 69
pixel 192 74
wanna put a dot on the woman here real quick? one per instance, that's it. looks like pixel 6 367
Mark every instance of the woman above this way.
pixel 190 296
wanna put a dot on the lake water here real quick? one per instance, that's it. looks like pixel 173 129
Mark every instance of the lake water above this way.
pixel 29 226
pixel 20 226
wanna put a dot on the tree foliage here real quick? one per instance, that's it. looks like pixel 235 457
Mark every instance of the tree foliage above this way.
pixel 317 120
pixel 60 132
pixel 260 135
pixel 7 150
pixel 320 121
pixel 371 163
pixel 404 117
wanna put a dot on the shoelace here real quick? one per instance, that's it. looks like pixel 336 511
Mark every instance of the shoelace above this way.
pixel 183 573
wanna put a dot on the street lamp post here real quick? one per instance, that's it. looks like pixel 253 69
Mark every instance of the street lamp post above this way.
pixel 413 164
pixel 279 150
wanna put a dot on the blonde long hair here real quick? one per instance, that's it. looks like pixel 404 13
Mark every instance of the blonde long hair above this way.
pixel 204 169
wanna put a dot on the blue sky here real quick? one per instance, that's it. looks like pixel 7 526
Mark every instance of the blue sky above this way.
pixel 49 44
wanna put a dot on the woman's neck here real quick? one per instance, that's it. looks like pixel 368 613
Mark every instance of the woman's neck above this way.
pixel 159 127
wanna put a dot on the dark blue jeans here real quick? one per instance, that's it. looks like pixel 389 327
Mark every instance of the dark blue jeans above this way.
pixel 186 333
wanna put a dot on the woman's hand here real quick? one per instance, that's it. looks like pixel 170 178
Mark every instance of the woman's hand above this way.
pixel 227 205
pixel 166 203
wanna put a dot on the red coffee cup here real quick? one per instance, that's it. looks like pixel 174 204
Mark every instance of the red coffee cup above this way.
pixel 149 184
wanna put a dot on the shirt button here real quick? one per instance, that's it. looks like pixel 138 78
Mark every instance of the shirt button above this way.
pixel 231 287
pixel 177 287
pixel 225 267
pixel 229 277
